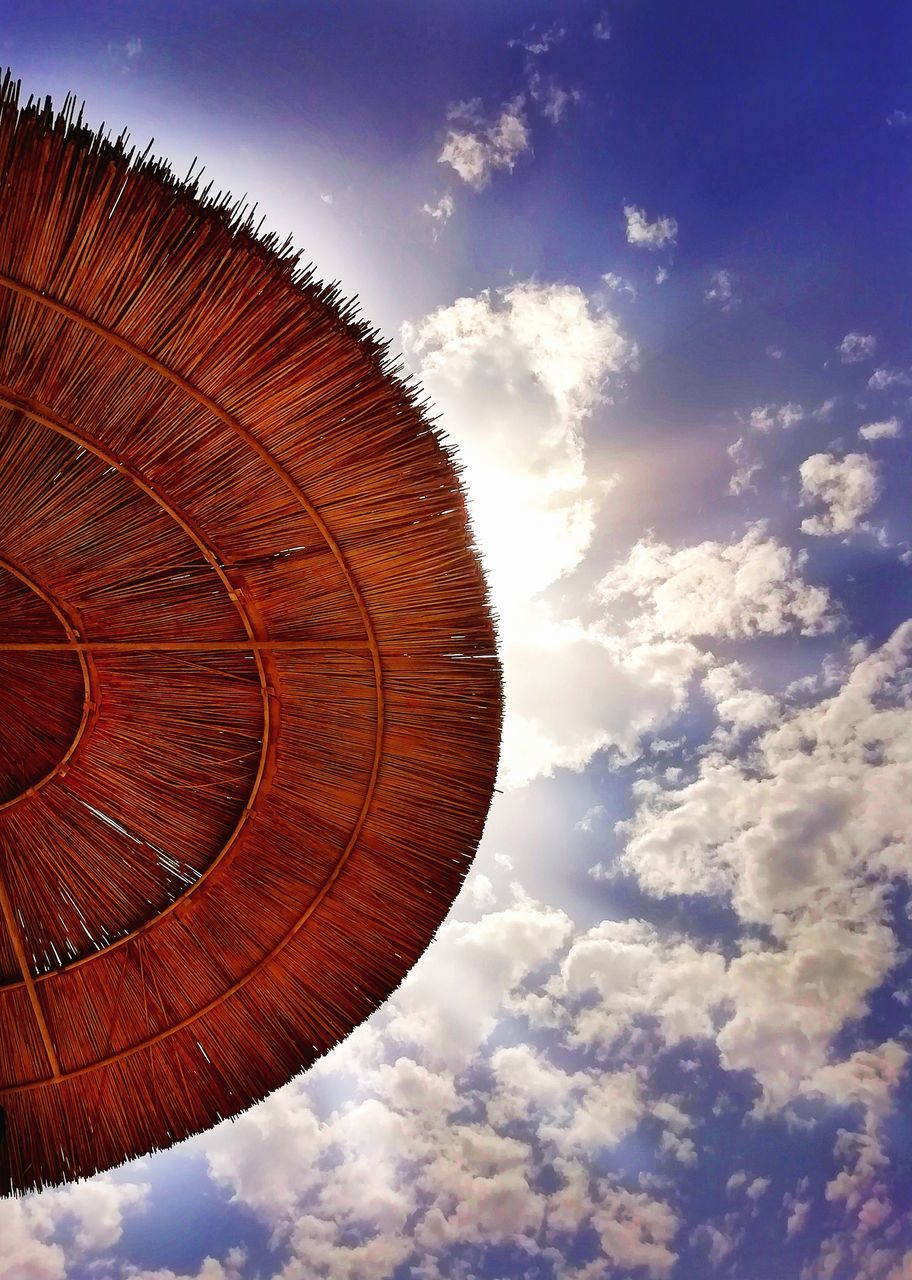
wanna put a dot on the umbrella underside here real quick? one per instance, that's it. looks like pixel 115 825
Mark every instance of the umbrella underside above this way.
pixel 249 693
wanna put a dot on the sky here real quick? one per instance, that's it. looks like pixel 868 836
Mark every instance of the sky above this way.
pixel 650 262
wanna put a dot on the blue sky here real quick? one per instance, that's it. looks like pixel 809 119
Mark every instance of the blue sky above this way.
pixel 651 263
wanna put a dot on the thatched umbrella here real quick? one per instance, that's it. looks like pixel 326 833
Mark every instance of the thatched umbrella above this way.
pixel 249 693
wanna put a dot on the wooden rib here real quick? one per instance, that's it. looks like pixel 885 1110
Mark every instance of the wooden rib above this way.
pixel 282 474
pixel 42 415
pixel 89 678
pixel 184 384
pixel 15 937
pixel 341 645
pixel 39 413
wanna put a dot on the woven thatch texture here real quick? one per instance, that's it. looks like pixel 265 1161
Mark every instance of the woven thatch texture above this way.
pixel 250 705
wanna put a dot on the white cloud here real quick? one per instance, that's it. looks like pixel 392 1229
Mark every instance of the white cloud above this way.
pixel 649 235
pixel 800 834
pixel 516 374
pixel 25 1254
pixel 799 1212
pixel 572 691
pixel 485 146
pixel 553 100
pixel 479 890
pixel 883 379
pixel 589 819
pixel 775 417
pixel 737 704
pixel 721 291
pixel 747 464
pixel 899 119
pixel 90 1212
pixel 638 974
pixel 661 275
pixel 888 429
pixel 602 29
pixel 441 212
pixel 856 347
pixel 393 1176
pixel 525 1082
pixel 619 285
pixel 125 53
pixel 774 351
pixel 867 1079
pixel 491 957
pixel 233 1268
pixel 746 588
pixel 719 1243
pixel 636 1231
pixel 608 1111
pixel 537 43
pixel 848 487
pixel 94 1209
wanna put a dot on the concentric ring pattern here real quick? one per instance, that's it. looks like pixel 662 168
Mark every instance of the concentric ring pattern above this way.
pixel 249 693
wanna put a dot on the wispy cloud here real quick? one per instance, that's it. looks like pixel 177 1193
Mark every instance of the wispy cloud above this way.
pixel 721 291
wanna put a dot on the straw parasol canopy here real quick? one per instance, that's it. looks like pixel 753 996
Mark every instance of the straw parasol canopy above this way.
pixel 250 700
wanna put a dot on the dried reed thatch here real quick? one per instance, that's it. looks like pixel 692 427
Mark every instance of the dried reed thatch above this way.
pixel 249 693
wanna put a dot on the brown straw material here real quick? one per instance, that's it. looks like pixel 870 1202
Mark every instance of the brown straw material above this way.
pixel 250 701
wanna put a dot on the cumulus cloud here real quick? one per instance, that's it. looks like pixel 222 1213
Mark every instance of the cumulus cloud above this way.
pixel 638 974
pixel 867 1079
pixel 887 429
pixel 481 147
pixel 753 586
pixel 721 291
pixel 516 374
pixel 636 1231
pixel 883 379
pixel 25 1252
pixel 491 957
pixel 396 1174
pixel 718 1241
pixel 90 1215
pixel 233 1267
pixel 766 418
pixel 644 234
pixel 800 835
pixel 775 417
pixel 848 487
pixel 799 1212
pixel 856 347
pixel 738 704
